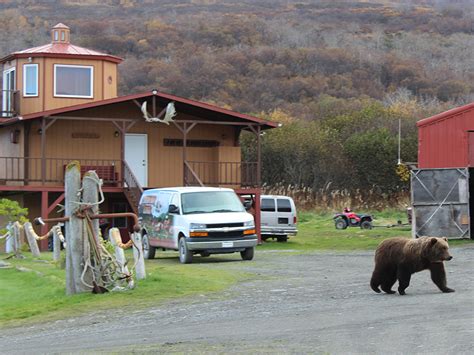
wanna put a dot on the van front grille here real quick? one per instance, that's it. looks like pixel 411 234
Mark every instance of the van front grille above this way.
pixel 230 234
pixel 223 225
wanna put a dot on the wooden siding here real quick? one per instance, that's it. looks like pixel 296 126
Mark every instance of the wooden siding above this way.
pixel 8 167
pixel 103 88
pixel 110 86
pixel 165 164
pixel 36 103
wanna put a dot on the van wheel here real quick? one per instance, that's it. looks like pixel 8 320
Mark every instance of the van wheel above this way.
pixel 282 238
pixel 148 250
pixel 185 256
pixel 247 254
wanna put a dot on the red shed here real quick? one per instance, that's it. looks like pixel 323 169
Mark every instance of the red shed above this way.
pixel 442 190
pixel 446 140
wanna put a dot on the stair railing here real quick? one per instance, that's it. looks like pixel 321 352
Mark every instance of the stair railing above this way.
pixel 132 188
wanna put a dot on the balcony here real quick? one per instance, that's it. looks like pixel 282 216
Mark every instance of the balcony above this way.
pixel 17 172
pixel 10 100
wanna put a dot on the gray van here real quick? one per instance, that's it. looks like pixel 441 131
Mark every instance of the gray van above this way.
pixel 278 217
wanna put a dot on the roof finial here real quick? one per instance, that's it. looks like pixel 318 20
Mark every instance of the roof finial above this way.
pixel 60 34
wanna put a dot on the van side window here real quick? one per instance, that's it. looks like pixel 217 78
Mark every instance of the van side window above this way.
pixel 283 205
pixel 268 205
pixel 162 203
pixel 174 200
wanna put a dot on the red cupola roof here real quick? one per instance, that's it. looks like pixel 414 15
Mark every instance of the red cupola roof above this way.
pixel 60 47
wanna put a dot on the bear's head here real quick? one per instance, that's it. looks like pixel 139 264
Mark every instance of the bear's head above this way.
pixel 438 250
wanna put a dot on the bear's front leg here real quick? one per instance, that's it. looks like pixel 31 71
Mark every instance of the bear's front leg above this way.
pixel 438 275
pixel 404 276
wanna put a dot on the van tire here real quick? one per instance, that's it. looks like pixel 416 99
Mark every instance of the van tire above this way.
pixel 247 254
pixel 185 256
pixel 148 250
pixel 282 238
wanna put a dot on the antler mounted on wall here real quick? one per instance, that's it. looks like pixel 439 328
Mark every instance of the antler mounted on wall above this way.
pixel 169 112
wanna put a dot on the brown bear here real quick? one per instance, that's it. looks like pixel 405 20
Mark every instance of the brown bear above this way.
pixel 399 258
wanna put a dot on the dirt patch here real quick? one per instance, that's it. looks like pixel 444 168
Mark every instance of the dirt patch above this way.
pixel 304 303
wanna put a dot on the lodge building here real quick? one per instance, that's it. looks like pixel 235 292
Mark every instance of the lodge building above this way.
pixel 59 103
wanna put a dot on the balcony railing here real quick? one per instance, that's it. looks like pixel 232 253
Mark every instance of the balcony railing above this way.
pixel 201 173
pixel 37 171
pixel 20 171
pixel 10 101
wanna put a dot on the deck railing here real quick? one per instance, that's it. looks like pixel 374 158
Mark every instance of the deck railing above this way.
pixel 201 173
pixel 18 171
pixel 25 170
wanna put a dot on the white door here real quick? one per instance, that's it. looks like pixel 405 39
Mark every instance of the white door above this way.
pixel 136 156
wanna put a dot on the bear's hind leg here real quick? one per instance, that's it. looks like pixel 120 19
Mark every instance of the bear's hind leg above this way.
pixel 438 275
pixel 389 281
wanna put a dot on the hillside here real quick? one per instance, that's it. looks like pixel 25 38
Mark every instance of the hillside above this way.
pixel 307 63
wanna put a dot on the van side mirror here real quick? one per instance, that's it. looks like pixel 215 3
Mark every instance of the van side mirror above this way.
pixel 173 209
pixel 247 205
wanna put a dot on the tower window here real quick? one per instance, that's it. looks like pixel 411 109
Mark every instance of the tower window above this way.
pixel 56 35
pixel 30 80
pixel 63 36
pixel 73 81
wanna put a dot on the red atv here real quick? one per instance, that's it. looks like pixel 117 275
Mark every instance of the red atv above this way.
pixel 351 219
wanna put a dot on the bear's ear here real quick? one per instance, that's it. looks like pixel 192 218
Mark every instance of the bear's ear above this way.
pixel 445 239
pixel 433 241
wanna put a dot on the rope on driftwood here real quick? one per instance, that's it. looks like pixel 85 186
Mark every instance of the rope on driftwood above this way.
pixel 115 234
pixel 29 230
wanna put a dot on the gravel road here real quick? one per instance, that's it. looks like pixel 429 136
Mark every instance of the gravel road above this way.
pixel 317 303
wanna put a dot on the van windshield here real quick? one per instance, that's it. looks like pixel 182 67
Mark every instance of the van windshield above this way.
pixel 210 202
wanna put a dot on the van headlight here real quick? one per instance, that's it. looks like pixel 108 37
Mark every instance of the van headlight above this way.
pixel 197 226
pixel 249 224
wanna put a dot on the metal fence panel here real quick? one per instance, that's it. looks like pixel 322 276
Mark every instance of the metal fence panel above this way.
pixel 440 200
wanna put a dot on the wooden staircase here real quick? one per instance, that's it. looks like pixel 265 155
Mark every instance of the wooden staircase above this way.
pixel 132 189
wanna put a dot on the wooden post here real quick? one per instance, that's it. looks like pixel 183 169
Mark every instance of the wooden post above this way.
pixel 44 215
pixel 29 231
pixel 10 239
pixel 17 235
pixel 74 231
pixel 138 256
pixel 56 243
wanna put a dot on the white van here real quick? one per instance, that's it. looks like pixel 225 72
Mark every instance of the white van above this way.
pixel 278 217
pixel 196 220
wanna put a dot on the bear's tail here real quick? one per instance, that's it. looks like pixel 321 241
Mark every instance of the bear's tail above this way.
pixel 374 284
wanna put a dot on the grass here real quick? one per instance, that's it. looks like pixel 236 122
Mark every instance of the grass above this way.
pixel 39 294
pixel 317 232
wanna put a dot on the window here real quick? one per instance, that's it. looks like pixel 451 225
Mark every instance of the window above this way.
pixel 268 205
pixel 8 87
pixel 56 35
pixel 283 205
pixel 210 202
pixel 63 36
pixel 73 81
pixel 30 80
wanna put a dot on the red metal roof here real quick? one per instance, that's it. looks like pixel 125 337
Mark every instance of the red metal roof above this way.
pixel 62 50
pixel 168 97
pixel 444 115
pixel 445 140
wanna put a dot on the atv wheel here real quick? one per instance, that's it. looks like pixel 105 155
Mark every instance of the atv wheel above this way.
pixel 366 225
pixel 341 224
